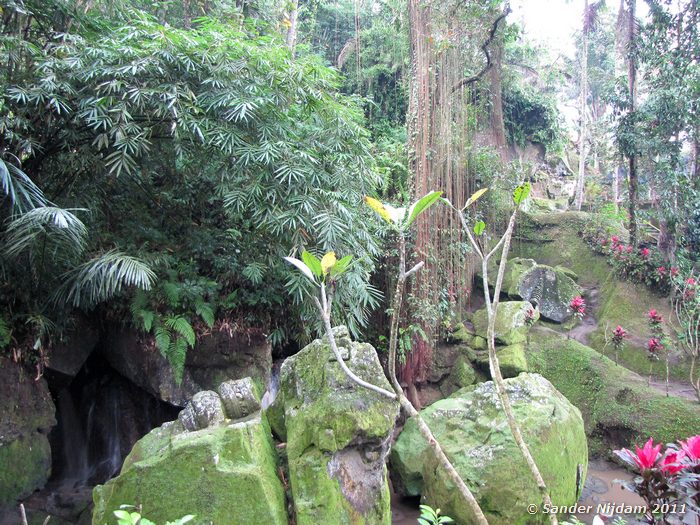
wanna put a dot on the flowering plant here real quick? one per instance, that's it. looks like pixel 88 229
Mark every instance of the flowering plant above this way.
pixel 618 341
pixel 666 477
pixel 578 306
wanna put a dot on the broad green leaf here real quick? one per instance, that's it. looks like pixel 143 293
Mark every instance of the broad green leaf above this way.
pixel 477 195
pixel 312 262
pixel 342 265
pixel 301 266
pixel 479 227
pixel 521 193
pixel 327 262
pixel 421 205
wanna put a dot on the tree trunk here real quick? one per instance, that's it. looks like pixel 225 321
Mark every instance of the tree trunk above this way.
pixel 292 29
pixel 580 182
pixel 498 129
pixel 632 81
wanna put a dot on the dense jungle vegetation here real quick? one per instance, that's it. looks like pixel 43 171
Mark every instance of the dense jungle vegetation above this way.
pixel 160 158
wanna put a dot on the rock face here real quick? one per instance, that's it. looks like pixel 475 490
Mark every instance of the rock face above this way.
pixel 472 429
pixel 511 321
pixel 337 434
pixel 69 355
pixel 216 358
pixel 549 288
pixel 223 472
pixel 27 414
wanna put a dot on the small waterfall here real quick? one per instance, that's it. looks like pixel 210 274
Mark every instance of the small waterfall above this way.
pixel 100 416
pixel 273 385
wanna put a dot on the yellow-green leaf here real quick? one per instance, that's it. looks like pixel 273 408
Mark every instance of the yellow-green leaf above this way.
pixel 475 197
pixel 328 262
pixel 312 262
pixel 378 207
pixel 521 193
pixel 479 227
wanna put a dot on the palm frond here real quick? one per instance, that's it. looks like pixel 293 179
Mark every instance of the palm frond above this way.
pixel 103 277
pixel 24 195
pixel 59 231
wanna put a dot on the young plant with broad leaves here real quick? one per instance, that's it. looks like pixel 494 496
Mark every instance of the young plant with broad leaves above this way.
pixel 323 274
pixel 477 230
pixel 130 515
pixel 399 221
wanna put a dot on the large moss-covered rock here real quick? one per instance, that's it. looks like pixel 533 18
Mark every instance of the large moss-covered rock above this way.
pixel 25 465
pixel 472 429
pixel 337 434
pixel 27 414
pixel 226 473
pixel 511 321
pixel 549 288
pixel 618 407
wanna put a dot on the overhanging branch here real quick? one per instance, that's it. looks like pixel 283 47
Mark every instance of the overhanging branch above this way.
pixel 487 54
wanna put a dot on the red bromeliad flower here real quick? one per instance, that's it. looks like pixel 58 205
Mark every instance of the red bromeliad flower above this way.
pixel 691 447
pixel 661 270
pixel 645 252
pixel 647 457
pixel 654 345
pixel 615 239
pixel 674 271
pixel 620 332
pixel 578 306
pixel 671 463
pixel 655 318
pixel 629 249
pixel 690 281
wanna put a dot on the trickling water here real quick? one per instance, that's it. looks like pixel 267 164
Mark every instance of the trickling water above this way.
pixel 100 417
pixel 273 385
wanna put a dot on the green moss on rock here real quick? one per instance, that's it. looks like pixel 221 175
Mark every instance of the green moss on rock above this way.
pixel 618 407
pixel 511 326
pixel 221 474
pixel 472 429
pixel 25 465
pixel 337 433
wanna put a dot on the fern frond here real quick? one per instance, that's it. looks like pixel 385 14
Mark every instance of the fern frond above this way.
pixel 176 357
pixel 103 277
pixel 182 327
pixel 205 311
pixel 162 337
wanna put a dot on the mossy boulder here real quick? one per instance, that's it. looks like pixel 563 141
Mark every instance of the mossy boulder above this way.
pixel 226 473
pixel 337 433
pixel 549 288
pixel 27 414
pixel 618 407
pixel 473 431
pixel 511 321
pixel 512 359
pixel 25 465
pixel 461 375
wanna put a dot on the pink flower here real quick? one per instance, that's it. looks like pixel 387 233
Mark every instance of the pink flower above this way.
pixel 654 345
pixel 691 447
pixel 661 270
pixel 646 457
pixel 690 281
pixel 645 252
pixel 674 271
pixel 629 249
pixel 578 306
pixel 604 242
pixel 615 239
pixel 671 463
pixel 654 317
